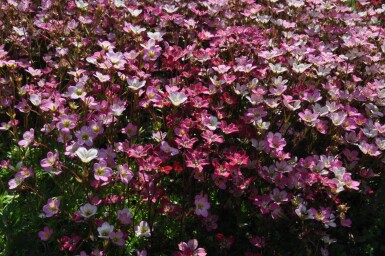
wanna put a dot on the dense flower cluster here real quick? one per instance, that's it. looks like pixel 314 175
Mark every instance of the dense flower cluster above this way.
pixel 164 120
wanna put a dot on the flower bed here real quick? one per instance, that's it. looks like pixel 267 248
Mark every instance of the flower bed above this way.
pixel 190 128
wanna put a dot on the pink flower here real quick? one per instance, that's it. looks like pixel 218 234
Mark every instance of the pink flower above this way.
pixel 201 205
pixel 45 234
pixel 51 208
pixel 190 249
pixel 69 243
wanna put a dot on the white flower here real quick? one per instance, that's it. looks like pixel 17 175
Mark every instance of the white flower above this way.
pixel 300 68
pixel 338 117
pixel 86 155
pixel 177 98
pixel 156 35
pixel 137 29
pixel 135 12
pixel 119 3
pixel 143 229
pixel 277 68
pixel 105 230
pixel 102 78
pixel 81 4
pixel 135 84
pixel 88 210
pixel 35 99
pixel 212 123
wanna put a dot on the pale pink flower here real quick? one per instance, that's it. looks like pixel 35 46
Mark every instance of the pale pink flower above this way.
pixel 275 141
pixel 308 116
pixel 77 91
pixel 190 249
pixel 221 69
pixel 165 147
pixel 45 234
pixel 51 208
pixel 101 171
pixel 85 136
pixel 130 130
pixel 124 216
pixel 117 238
pixel 125 173
pixel 28 138
pixel 201 205
pixel 17 181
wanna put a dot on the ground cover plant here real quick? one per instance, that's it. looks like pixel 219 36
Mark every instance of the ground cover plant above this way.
pixel 217 127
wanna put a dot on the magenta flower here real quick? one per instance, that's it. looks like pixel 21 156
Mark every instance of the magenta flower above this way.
pixel 69 243
pixel 190 249
pixel 45 234
pixel 51 208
